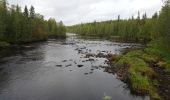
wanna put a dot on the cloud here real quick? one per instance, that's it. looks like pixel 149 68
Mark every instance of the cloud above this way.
pixel 77 11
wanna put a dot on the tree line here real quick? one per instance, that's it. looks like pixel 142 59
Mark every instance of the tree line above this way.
pixel 17 26
pixel 140 28
pixel 127 29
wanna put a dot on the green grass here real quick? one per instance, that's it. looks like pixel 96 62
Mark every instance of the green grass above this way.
pixel 161 52
pixel 140 74
pixel 139 83
pixel 136 63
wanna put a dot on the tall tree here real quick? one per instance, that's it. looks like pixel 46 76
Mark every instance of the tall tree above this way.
pixel 155 16
pixel 164 25
pixel 26 12
pixel 3 17
pixel 32 12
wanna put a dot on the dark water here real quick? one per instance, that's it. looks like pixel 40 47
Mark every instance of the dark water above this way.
pixel 59 70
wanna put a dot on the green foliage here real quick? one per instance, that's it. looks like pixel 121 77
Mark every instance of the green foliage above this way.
pixel 18 27
pixel 140 83
pixel 56 29
pixel 163 23
pixel 159 51
pixel 3 13
pixel 26 14
pixel 4 45
pixel 143 84
pixel 137 64
pixel 131 29
pixel 32 12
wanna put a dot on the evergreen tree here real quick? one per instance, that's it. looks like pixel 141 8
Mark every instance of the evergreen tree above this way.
pixel 3 18
pixel 17 26
pixel 164 25
pixel 32 12
pixel 26 12
pixel 155 16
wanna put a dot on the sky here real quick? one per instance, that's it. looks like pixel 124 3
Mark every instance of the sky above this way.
pixel 82 11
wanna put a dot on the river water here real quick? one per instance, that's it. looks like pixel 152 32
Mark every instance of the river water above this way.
pixel 61 70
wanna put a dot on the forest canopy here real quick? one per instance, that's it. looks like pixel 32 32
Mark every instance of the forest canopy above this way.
pixel 17 26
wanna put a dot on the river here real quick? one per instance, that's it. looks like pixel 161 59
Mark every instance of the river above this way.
pixel 61 70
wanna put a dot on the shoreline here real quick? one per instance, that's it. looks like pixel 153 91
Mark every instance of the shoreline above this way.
pixel 5 44
pixel 151 79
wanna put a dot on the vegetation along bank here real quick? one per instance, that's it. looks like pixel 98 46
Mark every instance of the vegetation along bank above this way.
pixel 17 26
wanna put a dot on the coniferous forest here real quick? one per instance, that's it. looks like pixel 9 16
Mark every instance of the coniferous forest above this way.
pixel 134 29
pixel 17 26
pixel 141 28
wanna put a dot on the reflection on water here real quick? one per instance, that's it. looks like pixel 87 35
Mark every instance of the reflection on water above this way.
pixel 71 69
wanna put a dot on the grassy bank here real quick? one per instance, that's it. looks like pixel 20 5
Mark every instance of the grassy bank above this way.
pixel 142 69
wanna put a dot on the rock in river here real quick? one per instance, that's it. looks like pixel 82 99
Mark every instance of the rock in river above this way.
pixel 58 65
pixel 80 66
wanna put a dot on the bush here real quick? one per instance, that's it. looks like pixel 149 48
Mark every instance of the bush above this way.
pixel 4 45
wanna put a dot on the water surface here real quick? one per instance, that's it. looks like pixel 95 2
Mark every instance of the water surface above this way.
pixel 60 70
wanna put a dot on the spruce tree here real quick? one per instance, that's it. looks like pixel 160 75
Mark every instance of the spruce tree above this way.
pixel 32 12
pixel 26 12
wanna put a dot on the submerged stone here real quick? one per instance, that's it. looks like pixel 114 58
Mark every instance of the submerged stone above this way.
pixel 69 65
pixel 80 65
pixel 59 65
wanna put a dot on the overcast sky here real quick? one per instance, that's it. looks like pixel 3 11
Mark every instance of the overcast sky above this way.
pixel 77 11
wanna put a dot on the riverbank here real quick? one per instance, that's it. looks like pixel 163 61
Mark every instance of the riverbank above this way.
pixel 145 72
pixel 5 44
pixel 115 38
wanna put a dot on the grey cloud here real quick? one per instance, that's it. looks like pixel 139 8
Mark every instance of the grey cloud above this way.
pixel 77 11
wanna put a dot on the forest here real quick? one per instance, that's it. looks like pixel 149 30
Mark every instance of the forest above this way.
pixel 17 26
pixel 140 28
pixel 134 29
